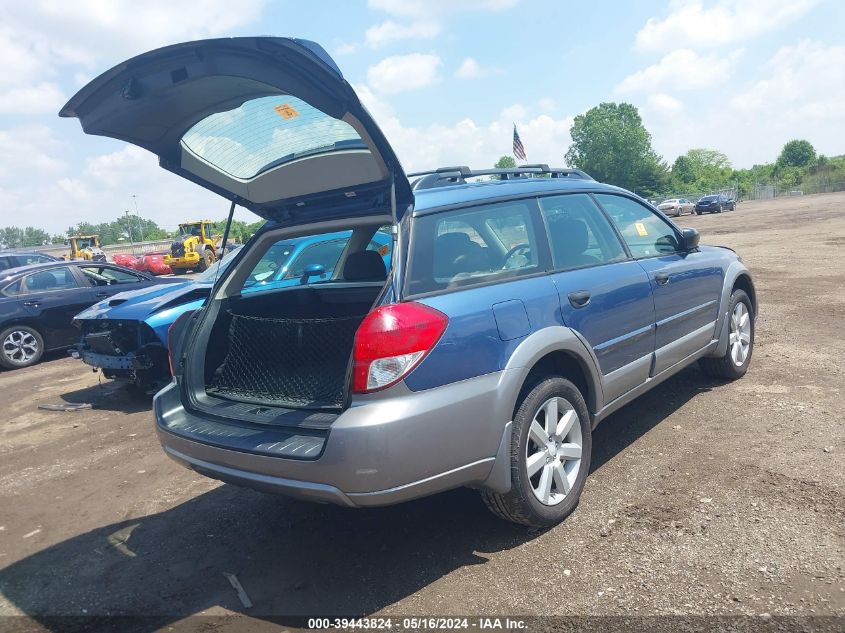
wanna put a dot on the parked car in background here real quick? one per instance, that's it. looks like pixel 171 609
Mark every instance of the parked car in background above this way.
pixel 13 259
pixel 715 203
pixel 517 315
pixel 125 336
pixel 38 303
pixel 676 207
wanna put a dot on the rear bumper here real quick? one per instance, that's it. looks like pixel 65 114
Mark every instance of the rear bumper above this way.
pixel 382 450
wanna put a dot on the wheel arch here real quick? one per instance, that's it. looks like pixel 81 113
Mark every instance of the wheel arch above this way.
pixel 743 282
pixel 559 351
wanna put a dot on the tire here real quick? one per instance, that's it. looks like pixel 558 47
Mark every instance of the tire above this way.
pixel 522 504
pixel 206 261
pixel 179 271
pixel 20 346
pixel 698 212
pixel 727 366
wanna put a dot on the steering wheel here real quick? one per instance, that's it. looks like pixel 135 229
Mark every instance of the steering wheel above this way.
pixel 513 251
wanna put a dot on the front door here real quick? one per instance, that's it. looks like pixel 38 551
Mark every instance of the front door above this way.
pixel 53 297
pixel 604 296
pixel 686 286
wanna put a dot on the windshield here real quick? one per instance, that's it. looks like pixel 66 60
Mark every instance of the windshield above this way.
pixel 84 243
pixel 191 229
pixel 709 198
pixel 266 132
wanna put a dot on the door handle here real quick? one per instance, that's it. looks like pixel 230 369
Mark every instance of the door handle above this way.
pixel 32 304
pixel 102 294
pixel 661 278
pixel 579 299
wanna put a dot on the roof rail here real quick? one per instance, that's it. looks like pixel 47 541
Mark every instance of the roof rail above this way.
pixel 445 176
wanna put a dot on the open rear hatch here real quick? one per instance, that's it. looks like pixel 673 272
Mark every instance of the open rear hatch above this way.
pixel 272 125
pixel 269 123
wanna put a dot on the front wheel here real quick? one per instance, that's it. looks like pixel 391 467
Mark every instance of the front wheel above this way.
pixel 206 260
pixel 22 346
pixel 550 453
pixel 736 359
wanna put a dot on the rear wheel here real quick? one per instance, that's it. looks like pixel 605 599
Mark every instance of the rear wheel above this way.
pixel 20 346
pixel 550 456
pixel 736 359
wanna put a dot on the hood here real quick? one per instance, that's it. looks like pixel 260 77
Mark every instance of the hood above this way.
pixel 267 122
pixel 139 304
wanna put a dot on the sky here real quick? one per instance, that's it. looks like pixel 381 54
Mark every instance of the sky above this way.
pixel 445 80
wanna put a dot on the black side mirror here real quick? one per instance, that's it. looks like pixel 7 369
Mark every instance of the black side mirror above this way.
pixel 690 238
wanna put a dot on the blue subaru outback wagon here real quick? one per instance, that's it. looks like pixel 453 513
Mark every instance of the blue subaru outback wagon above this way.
pixel 516 313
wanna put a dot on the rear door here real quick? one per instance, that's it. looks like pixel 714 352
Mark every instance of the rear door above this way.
pixel 686 286
pixel 269 123
pixel 53 297
pixel 604 296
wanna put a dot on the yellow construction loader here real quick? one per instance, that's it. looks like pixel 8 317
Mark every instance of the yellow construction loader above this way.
pixel 194 249
pixel 85 247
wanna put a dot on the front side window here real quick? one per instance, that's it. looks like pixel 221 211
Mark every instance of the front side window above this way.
pixel 579 233
pixel 473 246
pixel 47 280
pixel 105 276
pixel 645 233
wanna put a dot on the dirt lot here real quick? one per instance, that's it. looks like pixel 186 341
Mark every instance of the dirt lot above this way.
pixel 705 498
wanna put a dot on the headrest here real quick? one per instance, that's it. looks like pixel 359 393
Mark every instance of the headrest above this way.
pixel 364 266
pixel 569 237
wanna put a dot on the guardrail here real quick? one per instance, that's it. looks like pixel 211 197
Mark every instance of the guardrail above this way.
pixel 59 250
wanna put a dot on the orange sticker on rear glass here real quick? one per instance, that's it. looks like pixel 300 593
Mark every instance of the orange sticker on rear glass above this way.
pixel 641 229
pixel 286 111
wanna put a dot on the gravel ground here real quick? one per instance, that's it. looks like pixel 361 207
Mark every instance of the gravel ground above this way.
pixel 705 498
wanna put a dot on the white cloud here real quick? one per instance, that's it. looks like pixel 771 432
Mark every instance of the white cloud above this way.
pixel 43 98
pixel 387 32
pixel 29 152
pixel 547 105
pixel 691 24
pixel 469 142
pixel 682 69
pixel 471 69
pixel 662 102
pixel 401 73
pixel 422 8
pixel 806 82
pixel 801 94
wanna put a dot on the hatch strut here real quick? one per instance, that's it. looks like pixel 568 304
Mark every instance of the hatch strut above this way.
pixel 225 239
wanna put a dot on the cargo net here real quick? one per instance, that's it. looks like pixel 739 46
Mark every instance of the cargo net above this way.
pixel 297 363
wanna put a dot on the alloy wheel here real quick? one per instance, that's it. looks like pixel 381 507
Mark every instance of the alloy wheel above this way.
pixel 553 451
pixel 740 337
pixel 20 346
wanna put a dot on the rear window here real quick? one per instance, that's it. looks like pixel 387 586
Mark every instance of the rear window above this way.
pixel 472 246
pixel 266 132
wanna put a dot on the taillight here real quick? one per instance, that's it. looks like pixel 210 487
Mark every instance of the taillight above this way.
pixel 391 341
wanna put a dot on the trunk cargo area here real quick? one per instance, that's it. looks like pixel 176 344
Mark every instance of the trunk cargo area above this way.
pixel 287 349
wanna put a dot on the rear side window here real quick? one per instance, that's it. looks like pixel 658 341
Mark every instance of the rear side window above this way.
pixel 579 233
pixel 26 260
pixel 645 233
pixel 473 246
pixel 47 280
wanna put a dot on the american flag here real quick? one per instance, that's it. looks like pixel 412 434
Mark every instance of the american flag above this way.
pixel 518 149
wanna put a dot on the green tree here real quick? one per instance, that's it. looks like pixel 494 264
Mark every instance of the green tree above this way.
pixel 611 144
pixel 702 169
pixel 797 153
pixel 505 162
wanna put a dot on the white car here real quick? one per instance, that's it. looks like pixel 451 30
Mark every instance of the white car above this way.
pixel 676 206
